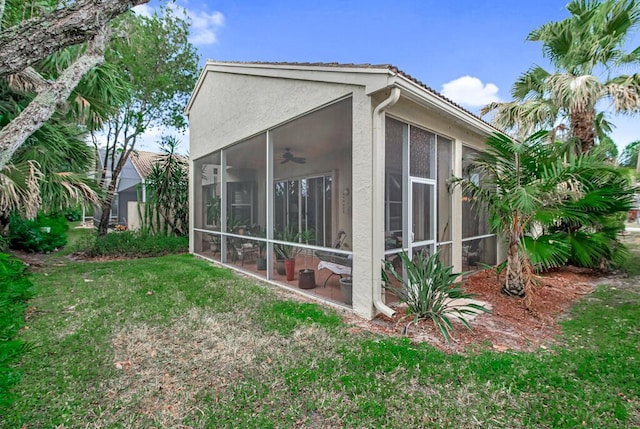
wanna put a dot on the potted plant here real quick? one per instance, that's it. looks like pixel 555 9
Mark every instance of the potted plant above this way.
pixel 287 252
pixel 306 276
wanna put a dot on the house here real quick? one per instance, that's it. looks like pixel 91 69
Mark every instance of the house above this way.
pixel 124 209
pixel 359 153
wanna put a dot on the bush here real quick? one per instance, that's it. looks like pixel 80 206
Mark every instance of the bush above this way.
pixel 45 233
pixel 429 290
pixel 137 243
pixel 15 289
pixel 73 214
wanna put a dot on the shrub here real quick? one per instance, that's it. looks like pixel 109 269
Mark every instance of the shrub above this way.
pixel 73 214
pixel 15 289
pixel 45 233
pixel 137 243
pixel 430 291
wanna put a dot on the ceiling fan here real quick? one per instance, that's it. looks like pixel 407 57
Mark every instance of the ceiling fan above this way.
pixel 288 156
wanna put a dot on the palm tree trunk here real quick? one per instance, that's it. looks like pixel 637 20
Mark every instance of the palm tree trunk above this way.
pixel 514 282
pixel 582 125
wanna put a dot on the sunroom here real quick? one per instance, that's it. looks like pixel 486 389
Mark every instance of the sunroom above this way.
pixel 310 175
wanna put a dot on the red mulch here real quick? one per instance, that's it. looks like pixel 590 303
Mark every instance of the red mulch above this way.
pixel 514 324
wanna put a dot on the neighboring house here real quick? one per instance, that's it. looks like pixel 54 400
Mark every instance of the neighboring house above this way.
pixel 364 149
pixel 128 190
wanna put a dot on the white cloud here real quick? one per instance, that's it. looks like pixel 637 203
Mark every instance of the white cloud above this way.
pixel 144 10
pixel 204 26
pixel 470 91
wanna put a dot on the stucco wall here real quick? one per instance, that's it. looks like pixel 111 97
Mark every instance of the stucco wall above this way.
pixel 229 108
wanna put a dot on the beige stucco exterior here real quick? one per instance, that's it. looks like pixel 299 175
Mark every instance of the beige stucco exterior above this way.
pixel 233 101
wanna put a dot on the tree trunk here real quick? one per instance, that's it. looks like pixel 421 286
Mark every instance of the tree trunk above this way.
pixel 515 281
pixel 111 188
pixel 582 125
pixel 34 39
pixel 105 216
pixel 48 99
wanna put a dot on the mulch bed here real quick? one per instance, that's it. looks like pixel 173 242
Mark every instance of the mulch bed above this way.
pixel 514 324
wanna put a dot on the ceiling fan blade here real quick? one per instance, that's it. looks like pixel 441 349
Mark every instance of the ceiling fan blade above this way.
pixel 299 160
pixel 284 161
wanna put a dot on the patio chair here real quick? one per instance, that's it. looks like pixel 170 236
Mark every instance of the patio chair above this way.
pixel 243 249
pixel 337 263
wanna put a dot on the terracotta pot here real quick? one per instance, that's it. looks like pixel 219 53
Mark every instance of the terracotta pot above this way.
pixel 290 268
pixel 306 279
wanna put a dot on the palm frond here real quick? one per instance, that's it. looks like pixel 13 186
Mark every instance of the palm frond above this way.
pixel 547 251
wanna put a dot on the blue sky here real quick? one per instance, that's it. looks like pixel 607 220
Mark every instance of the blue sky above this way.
pixel 468 50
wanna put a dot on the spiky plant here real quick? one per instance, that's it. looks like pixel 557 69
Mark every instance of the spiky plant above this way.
pixel 431 292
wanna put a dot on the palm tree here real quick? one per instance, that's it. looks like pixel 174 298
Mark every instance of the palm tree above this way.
pixel 590 42
pixel 533 183
pixel 167 190
pixel 51 170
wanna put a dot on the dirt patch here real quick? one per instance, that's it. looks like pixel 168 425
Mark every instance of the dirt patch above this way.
pixel 163 369
pixel 512 324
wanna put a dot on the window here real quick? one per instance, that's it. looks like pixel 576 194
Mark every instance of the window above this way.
pixel 305 204
pixel 478 243
pixel 240 199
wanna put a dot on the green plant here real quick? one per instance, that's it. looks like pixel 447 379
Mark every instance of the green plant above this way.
pixel 15 289
pixel 286 251
pixel 214 204
pixel 532 184
pixel 138 243
pixel 73 214
pixel 430 291
pixel 45 233
pixel 167 205
pixel 588 52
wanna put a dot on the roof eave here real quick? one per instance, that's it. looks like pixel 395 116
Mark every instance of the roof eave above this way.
pixel 421 95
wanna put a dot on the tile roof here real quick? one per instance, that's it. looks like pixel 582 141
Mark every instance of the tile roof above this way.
pixel 143 161
pixel 389 67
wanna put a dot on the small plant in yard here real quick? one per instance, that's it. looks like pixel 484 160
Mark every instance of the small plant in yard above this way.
pixel 431 292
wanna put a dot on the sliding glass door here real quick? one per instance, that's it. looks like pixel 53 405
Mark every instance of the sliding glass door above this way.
pixel 305 204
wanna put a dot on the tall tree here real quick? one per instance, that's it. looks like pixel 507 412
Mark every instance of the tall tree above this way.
pixel 586 50
pixel 31 40
pixel 160 66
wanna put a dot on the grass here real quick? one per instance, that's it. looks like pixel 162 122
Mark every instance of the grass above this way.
pixel 175 341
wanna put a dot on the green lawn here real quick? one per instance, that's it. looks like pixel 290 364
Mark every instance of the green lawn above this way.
pixel 177 342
